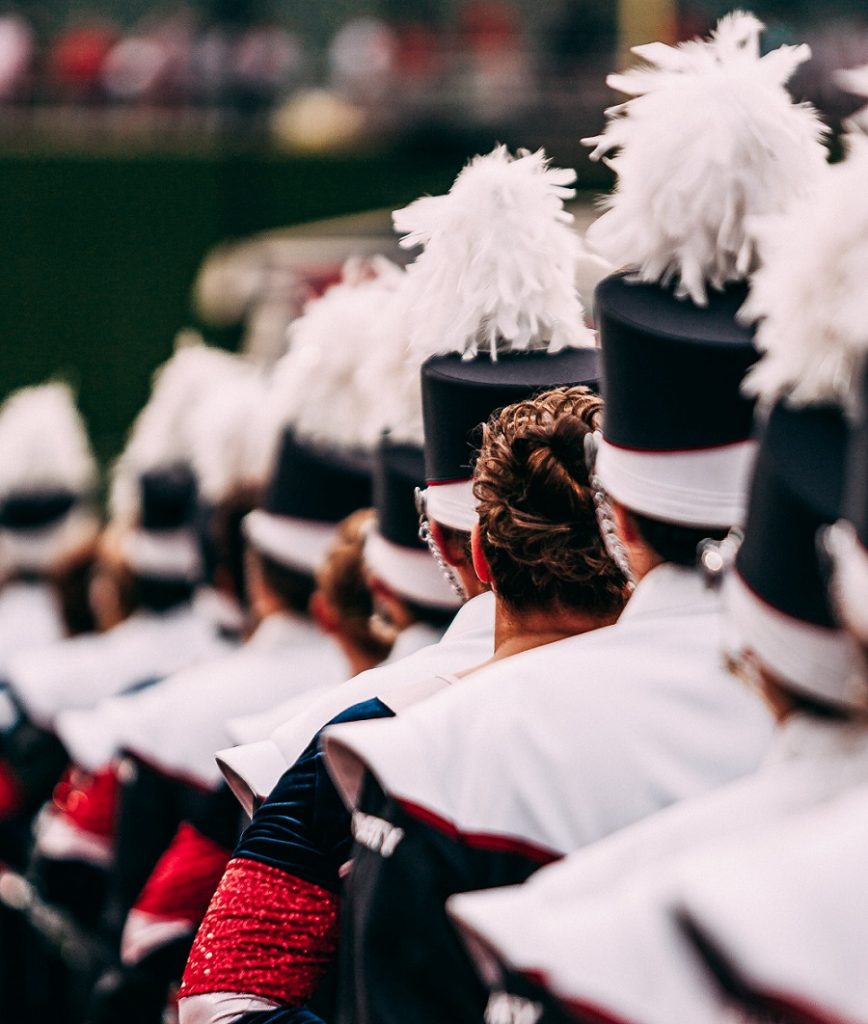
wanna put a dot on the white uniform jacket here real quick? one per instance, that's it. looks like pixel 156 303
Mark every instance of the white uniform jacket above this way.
pixel 179 724
pixel 599 925
pixel 786 916
pixel 253 770
pixel 81 671
pixel 535 756
pixel 30 617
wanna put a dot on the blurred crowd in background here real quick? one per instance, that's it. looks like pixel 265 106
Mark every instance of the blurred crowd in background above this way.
pixel 332 75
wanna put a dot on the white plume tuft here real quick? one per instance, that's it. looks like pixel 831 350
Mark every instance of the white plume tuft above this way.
pixel 709 138
pixel 809 291
pixel 44 443
pixel 161 434
pixel 226 435
pixel 497 272
pixel 325 387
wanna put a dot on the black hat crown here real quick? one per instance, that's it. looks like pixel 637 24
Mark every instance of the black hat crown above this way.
pixel 399 469
pixel 672 370
pixel 318 484
pixel 459 395
pixel 855 509
pixel 36 511
pixel 797 489
pixel 168 498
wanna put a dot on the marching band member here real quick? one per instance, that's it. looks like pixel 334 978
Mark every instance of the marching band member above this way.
pixel 557 749
pixel 457 395
pixel 611 906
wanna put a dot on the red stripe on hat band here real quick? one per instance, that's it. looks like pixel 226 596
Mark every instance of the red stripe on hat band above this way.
pixel 89 802
pixel 184 880
pixel 482 840
pixel 446 483
pixel 266 934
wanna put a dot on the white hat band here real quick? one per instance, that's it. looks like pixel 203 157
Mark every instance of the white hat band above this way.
pixel 708 487
pixel 37 550
pixel 452 505
pixel 163 554
pixel 412 573
pixel 297 543
pixel 817 661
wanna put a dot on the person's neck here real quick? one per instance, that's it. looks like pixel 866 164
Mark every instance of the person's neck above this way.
pixel 517 632
pixel 357 659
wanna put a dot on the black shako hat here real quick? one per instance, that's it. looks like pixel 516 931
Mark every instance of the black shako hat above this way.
pixel 847 541
pixel 676 428
pixel 855 509
pixel 458 397
pixel 164 545
pixel 310 490
pixel 776 597
pixel 394 551
pixel 36 510
pixel 169 499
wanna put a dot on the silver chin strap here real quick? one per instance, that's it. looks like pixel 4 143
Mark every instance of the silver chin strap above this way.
pixel 425 535
pixel 605 520
pixel 717 556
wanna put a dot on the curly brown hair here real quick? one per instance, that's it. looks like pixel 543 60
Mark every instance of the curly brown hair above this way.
pixel 342 579
pixel 538 527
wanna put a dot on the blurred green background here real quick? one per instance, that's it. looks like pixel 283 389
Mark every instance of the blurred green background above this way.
pixel 101 253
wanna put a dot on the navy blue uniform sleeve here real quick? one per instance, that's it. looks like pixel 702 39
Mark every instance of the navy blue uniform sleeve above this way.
pixel 303 828
pixel 401 958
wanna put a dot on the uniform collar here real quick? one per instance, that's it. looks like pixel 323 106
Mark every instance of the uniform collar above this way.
pixel 413 639
pixel 806 737
pixel 668 588
pixel 282 629
pixel 473 616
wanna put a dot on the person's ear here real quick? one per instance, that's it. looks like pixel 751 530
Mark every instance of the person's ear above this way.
pixel 323 613
pixel 624 524
pixel 480 562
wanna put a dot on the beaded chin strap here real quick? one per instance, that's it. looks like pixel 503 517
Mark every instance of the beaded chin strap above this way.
pixel 427 537
pixel 605 519
pixel 717 556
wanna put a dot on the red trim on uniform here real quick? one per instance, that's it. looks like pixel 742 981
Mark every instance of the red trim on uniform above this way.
pixel 89 802
pixel 482 840
pixel 11 794
pixel 794 1010
pixel 179 775
pixel 676 451
pixel 266 934
pixel 585 1013
pixel 182 883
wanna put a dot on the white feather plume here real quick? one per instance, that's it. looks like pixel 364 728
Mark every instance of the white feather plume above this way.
pixel 708 139
pixel 324 386
pixel 497 271
pixel 809 293
pixel 44 443
pixel 161 434
pixel 228 447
